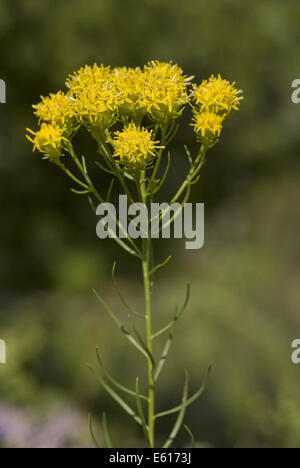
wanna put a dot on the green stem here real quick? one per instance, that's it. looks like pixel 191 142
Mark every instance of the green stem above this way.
pixel 151 391
pixel 146 265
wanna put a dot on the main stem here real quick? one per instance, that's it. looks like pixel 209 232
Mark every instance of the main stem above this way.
pixel 146 261
pixel 147 288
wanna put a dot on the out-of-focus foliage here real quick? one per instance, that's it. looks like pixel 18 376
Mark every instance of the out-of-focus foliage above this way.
pixel 245 304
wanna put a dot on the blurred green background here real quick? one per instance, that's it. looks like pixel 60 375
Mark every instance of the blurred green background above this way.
pixel 244 310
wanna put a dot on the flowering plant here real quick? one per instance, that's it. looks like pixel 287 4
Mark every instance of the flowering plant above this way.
pixel 132 115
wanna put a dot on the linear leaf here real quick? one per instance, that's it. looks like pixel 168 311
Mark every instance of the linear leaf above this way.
pixel 164 356
pixel 161 265
pixel 120 325
pixel 171 135
pixel 177 314
pixel 123 300
pixel 163 330
pixel 194 181
pixel 104 168
pixel 115 396
pixel 110 189
pixel 83 162
pixel 142 343
pixel 189 401
pixel 164 176
pixel 188 430
pixel 186 301
pixel 92 204
pixel 105 430
pixel 92 432
pixel 114 382
pixel 180 417
pixel 80 192
pixel 188 153
pixel 140 410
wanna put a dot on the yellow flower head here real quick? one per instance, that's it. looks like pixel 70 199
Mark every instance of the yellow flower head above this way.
pixel 130 84
pixel 57 109
pixel 48 140
pixel 217 95
pixel 54 108
pixel 208 126
pixel 134 146
pixel 88 76
pixel 95 97
pixel 166 92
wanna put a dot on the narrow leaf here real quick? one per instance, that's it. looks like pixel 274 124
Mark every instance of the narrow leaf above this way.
pixel 193 182
pixel 92 432
pixel 170 337
pixel 104 168
pixel 120 325
pixel 114 382
pixel 80 192
pixel 83 162
pixel 105 430
pixel 180 417
pixel 164 356
pixel 142 343
pixel 172 135
pixel 140 410
pixel 193 443
pixel 110 190
pixel 158 267
pixel 123 300
pixel 186 301
pixel 92 204
pixel 164 176
pixel 189 401
pixel 188 153
pixel 115 396
pixel 163 330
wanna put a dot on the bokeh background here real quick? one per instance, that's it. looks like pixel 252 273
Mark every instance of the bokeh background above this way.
pixel 244 310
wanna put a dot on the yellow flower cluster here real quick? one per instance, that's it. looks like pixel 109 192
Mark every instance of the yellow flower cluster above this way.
pixel 215 99
pixel 134 147
pixel 48 140
pixel 102 96
pixel 99 97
